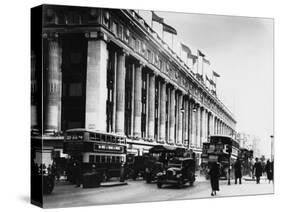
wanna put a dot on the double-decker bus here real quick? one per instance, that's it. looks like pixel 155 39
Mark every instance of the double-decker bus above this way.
pixel 106 151
pixel 222 149
pixel 246 157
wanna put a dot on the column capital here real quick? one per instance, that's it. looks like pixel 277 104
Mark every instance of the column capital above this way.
pixel 140 64
pixel 50 35
pixel 96 35
pixel 123 52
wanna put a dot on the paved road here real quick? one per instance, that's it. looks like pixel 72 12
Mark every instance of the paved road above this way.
pixel 139 191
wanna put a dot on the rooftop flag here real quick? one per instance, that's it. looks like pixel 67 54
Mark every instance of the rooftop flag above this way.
pixel 169 29
pixel 200 53
pixel 216 74
pixel 185 48
pixel 157 18
pixel 206 61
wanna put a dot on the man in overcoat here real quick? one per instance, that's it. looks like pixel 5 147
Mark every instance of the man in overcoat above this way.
pixel 238 171
pixel 214 177
pixel 258 170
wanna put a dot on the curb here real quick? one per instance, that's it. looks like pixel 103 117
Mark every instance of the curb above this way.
pixel 113 184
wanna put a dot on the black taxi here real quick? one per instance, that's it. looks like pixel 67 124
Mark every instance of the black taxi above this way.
pixel 180 170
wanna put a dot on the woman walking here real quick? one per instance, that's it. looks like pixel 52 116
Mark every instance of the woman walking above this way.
pixel 269 171
pixel 214 177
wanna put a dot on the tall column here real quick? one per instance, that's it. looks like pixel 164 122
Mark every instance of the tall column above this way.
pixel 186 121
pixel 194 124
pixel 211 124
pixel 203 118
pixel 176 116
pixel 53 86
pixel 147 105
pixel 198 127
pixel 163 112
pixel 151 109
pixel 172 117
pixel 96 85
pixel 206 125
pixel 216 126
pixel 114 92
pixel 133 99
pixel 158 109
pixel 137 102
pixel 214 129
pixel 168 109
pixel 34 90
pixel 180 117
pixel 208 128
pixel 120 101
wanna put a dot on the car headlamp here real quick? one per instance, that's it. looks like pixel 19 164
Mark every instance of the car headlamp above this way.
pixel 178 175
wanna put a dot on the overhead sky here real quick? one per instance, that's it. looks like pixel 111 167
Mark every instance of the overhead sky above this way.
pixel 240 49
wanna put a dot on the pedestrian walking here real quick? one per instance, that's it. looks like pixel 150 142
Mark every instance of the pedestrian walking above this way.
pixel 258 170
pixel 238 171
pixel 77 173
pixel 269 171
pixel 214 177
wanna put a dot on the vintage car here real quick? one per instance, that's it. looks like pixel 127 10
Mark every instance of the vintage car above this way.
pixel 135 166
pixel 180 171
pixel 153 167
pixel 157 160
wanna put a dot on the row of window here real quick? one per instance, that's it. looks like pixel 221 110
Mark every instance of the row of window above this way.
pixel 105 159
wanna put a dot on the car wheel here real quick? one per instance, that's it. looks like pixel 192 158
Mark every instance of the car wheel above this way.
pixel 180 183
pixel 148 178
pixel 159 185
pixel 191 183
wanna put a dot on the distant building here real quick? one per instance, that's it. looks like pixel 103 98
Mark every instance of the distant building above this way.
pixel 250 142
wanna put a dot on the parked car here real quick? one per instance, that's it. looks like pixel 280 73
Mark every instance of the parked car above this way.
pixel 153 167
pixel 157 160
pixel 135 166
pixel 180 171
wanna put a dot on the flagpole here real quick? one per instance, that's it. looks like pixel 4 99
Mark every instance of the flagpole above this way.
pixel 151 23
pixel 173 42
pixel 213 80
pixel 197 62
pixel 203 69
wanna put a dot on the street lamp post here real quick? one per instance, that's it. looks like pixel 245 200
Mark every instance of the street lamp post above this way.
pixel 229 150
pixel 272 147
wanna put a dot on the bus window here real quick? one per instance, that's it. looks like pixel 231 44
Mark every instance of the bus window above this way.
pixel 98 159
pixel 113 159
pixel 109 138
pixel 92 159
pixel 120 140
pixel 113 140
pixel 102 159
pixel 92 136
pixel 98 137
pixel 102 137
